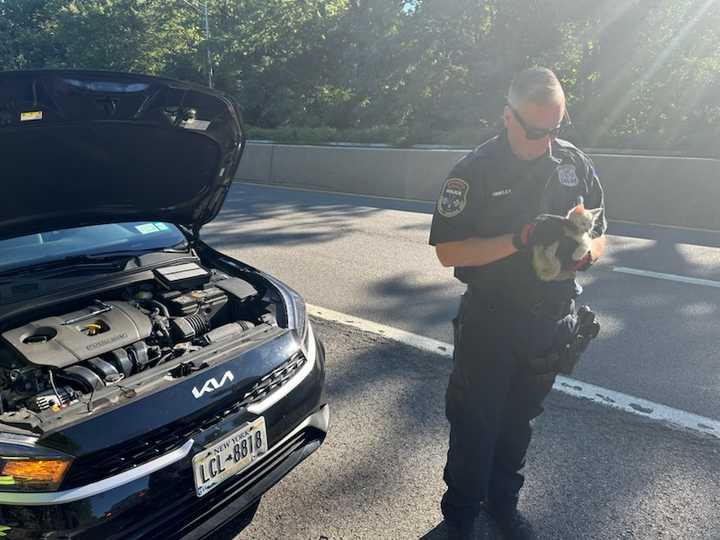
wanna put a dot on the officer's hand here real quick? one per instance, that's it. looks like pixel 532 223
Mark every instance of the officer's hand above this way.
pixel 544 229
pixel 582 265
pixel 565 252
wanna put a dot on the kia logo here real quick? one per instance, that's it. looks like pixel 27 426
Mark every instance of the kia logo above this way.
pixel 212 384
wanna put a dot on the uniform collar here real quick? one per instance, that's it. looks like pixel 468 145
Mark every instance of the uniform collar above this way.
pixel 551 156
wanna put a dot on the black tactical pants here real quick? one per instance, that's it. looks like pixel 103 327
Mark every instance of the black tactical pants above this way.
pixel 491 398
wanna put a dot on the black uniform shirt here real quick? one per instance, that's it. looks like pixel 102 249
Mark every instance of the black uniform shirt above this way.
pixel 490 192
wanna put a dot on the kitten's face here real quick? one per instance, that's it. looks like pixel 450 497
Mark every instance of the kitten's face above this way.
pixel 585 220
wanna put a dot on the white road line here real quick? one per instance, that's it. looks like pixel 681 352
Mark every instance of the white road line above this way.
pixel 578 389
pixel 660 226
pixel 669 277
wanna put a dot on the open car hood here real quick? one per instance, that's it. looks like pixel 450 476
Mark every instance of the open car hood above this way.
pixel 82 147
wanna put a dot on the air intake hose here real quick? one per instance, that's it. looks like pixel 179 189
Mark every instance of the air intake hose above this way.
pixel 186 328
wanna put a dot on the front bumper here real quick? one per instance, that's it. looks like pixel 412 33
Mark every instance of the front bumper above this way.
pixel 157 500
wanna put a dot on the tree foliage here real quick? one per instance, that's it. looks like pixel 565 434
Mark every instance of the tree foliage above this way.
pixel 638 73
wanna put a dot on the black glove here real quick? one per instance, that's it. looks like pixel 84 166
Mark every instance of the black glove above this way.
pixel 544 229
pixel 565 252
pixel 583 264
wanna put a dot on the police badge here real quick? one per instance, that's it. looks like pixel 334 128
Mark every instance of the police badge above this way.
pixel 567 175
pixel 453 198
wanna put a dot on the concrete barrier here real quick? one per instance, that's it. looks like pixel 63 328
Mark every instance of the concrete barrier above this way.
pixel 256 162
pixel 683 192
pixel 647 189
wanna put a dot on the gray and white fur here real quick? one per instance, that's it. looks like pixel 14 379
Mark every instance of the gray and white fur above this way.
pixel 545 261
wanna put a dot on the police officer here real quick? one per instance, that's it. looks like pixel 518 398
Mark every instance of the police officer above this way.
pixel 491 210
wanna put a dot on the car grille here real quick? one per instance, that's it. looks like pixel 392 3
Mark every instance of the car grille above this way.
pixel 175 512
pixel 274 380
pixel 192 511
pixel 120 458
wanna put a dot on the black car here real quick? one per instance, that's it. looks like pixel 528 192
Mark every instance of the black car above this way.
pixel 150 386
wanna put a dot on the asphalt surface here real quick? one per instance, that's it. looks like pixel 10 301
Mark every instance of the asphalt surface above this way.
pixel 369 257
pixel 593 473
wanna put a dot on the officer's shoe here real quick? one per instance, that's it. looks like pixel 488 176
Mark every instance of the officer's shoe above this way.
pixel 459 531
pixel 511 523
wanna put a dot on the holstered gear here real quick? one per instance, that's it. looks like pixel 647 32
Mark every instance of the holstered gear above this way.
pixel 575 332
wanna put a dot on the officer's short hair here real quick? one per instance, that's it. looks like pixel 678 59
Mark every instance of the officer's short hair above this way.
pixel 536 85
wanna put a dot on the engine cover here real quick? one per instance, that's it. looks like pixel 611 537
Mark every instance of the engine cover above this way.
pixel 63 341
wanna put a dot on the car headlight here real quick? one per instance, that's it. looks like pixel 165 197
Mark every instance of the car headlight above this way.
pixel 302 325
pixel 300 317
pixel 28 468
pixel 295 308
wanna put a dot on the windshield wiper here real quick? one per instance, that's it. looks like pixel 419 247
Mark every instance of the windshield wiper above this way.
pixel 129 253
pixel 71 263
pixel 109 261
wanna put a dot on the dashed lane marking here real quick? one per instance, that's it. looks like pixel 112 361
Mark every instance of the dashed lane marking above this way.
pixel 572 387
pixel 668 277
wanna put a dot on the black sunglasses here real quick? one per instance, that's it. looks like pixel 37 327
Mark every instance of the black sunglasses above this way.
pixel 534 133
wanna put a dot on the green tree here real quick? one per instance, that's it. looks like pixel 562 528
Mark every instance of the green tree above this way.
pixel 27 31
pixel 637 73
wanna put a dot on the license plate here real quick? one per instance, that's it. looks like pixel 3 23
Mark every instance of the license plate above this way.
pixel 229 456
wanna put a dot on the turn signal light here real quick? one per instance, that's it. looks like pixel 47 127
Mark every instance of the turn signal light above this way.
pixel 32 474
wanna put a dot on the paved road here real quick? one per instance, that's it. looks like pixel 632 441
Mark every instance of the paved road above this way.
pixel 369 257
pixel 593 473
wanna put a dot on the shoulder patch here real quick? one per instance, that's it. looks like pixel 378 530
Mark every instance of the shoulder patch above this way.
pixel 453 198
pixel 567 175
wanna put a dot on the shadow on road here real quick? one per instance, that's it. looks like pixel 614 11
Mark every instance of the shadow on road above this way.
pixel 665 330
pixel 483 531
pixel 592 473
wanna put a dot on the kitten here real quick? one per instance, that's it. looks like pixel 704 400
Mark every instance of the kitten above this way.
pixel 548 263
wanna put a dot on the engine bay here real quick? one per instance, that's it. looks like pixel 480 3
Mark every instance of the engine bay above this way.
pixel 82 346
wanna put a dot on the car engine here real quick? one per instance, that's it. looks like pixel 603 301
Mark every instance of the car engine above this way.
pixel 52 361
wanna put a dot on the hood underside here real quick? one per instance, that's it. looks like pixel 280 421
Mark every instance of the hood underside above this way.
pixel 81 148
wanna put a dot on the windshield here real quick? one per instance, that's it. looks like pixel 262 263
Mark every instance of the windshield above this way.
pixel 92 240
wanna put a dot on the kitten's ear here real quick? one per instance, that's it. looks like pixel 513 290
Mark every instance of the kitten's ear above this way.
pixel 595 212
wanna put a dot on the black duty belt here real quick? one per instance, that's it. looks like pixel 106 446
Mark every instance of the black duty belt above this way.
pixel 532 305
